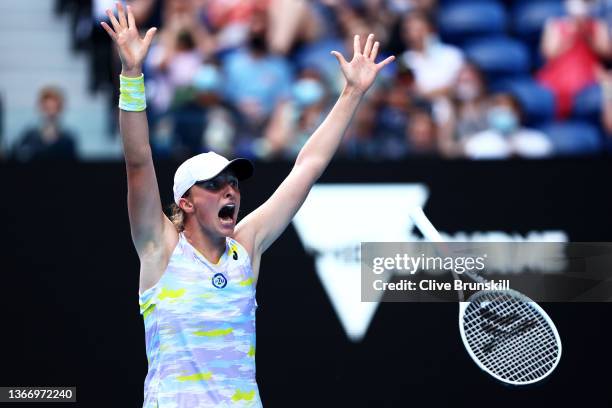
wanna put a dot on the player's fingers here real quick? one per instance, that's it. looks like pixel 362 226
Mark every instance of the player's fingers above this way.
pixel 356 45
pixel 121 14
pixel 368 45
pixel 109 30
pixel 387 60
pixel 131 20
pixel 149 36
pixel 339 57
pixel 374 53
pixel 113 20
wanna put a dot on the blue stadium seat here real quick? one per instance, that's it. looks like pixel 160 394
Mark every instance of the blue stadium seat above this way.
pixel 528 17
pixel 573 138
pixel 538 103
pixel 464 19
pixel 499 56
pixel 587 104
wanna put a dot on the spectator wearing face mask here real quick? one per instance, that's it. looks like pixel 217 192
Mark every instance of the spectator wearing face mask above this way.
pixel 467 110
pixel 257 82
pixel 572 47
pixel 469 97
pixel 505 136
pixel 220 119
pixel 295 119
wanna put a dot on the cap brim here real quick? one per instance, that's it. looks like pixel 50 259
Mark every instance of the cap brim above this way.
pixel 242 168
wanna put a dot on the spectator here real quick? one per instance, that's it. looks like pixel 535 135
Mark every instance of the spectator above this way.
pixel 177 118
pixel 174 60
pixel 603 10
pixel 572 47
pixel 220 122
pixel 399 99
pixel 147 13
pixel 291 22
pixel 362 18
pixel 200 120
pixel 360 141
pixel 49 140
pixel 469 95
pixel 505 136
pixel 292 125
pixel 102 69
pixel 605 78
pixel 428 6
pixel 401 7
pixel 435 65
pixel 467 113
pixel 229 20
pixel 256 80
pixel 421 134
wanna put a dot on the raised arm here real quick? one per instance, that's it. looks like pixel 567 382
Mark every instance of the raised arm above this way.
pixel 261 228
pixel 148 224
pixel 552 44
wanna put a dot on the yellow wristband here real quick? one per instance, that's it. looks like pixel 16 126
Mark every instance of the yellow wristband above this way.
pixel 132 94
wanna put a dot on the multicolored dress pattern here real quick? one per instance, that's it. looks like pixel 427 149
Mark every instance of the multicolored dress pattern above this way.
pixel 200 331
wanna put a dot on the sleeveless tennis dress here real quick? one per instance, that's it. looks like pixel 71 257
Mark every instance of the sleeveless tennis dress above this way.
pixel 200 331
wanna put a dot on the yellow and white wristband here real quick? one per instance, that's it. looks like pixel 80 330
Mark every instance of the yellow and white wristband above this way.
pixel 132 94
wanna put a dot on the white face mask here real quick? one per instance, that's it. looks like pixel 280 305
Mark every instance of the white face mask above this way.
pixel 577 8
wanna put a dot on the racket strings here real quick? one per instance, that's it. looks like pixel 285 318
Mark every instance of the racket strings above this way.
pixel 509 337
pixel 532 364
pixel 505 345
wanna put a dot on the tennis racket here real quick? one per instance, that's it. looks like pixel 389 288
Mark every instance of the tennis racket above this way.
pixel 508 335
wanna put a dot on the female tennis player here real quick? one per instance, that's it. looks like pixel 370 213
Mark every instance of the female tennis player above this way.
pixel 198 274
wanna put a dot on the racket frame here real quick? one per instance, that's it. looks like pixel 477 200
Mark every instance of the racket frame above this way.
pixel 431 234
pixel 462 309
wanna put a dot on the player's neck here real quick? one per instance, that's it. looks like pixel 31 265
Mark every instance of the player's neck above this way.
pixel 212 248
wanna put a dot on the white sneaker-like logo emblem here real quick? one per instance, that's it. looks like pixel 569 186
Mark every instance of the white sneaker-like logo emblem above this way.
pixel 332 223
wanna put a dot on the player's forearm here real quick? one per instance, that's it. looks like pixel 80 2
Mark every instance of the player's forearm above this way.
pixel 322 145
pixel 134 131
pixel 135 137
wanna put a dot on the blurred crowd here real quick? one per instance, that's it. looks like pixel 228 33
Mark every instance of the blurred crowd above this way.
pixel 488 79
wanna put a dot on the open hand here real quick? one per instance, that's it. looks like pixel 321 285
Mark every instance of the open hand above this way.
pixel 132 48
pixel 362 70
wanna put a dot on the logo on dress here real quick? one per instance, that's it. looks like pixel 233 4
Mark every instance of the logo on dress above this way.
pixel 219 281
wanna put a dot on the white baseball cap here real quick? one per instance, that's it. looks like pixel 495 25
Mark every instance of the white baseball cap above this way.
pixel 206 166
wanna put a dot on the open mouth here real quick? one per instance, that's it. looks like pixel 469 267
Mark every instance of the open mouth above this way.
pixel 226 213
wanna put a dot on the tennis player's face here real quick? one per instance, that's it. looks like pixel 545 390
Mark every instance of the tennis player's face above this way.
pixel 216 203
